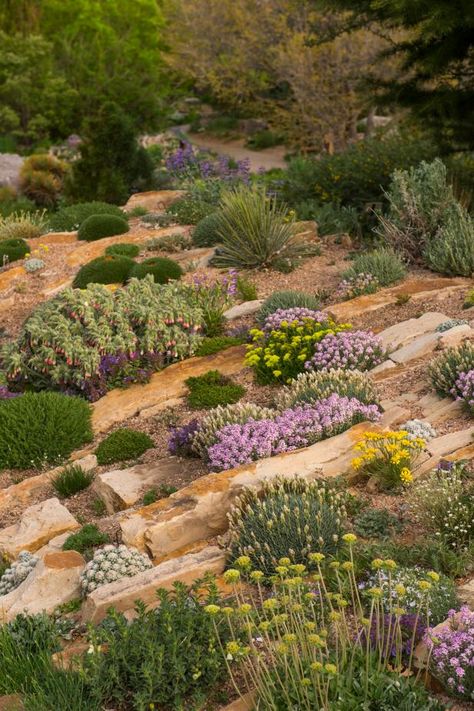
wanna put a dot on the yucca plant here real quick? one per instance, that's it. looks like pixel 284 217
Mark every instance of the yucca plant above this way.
pixel 257 231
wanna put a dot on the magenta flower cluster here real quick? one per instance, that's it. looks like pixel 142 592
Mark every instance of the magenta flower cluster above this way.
pixel 464 388
pixel 452 654
pixel 298 313
pixel 350 350
pixel 296 427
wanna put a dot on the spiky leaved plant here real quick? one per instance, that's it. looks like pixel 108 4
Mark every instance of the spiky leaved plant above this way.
pixel 446 368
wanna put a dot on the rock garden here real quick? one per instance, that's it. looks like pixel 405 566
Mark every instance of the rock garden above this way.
pixel 236 446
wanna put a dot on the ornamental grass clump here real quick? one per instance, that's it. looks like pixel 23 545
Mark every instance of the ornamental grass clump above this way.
pixel 304 644
pixel 256 231
pixel 22 225
pixel 288 518
pixel 443 504
pixel 350 350
pixel 452 652
pixel 286 300
pixel 280 355
pixel 301 426
pixel 312 386
pixel 445 370
pixel 71 480
pixel 388 457
pixel 17 572
pixel 112 563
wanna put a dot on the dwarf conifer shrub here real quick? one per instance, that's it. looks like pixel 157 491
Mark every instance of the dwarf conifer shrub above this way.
pixel 124 249
pixel 313 386
pixel 123 444
pixel 41 179
pixel 110 269
pixel 99 226
pixel 286 300
pixel 212 389
pixel 447 367
pixel 161 269
pixel 383 264
pixel 12 249
pixel 207 232
pixel 291 518
pixel 71 217
pixel 42 428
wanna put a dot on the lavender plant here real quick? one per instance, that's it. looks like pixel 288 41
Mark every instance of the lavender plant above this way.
pixel 294 428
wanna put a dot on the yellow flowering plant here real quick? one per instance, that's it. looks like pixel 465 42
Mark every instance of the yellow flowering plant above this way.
pixel 389 457
pixel 280 355
pixel 315 640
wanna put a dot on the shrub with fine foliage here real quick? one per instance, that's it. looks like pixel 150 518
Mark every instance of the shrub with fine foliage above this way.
pixel 122 445
pixel 447 367
pixel 291 518
pixel 99 226
pixel 451 251
pixel 286 300
pixel 124 249
pixel 42 428
pixel 314 386
pixel 207 232
pixel 12 249
pixel 383 264
pixel 212 389
pixel 111 269
pixel 72 480
pixel 161 269
pixel 257 231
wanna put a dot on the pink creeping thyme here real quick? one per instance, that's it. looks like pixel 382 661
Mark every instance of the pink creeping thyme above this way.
pixel 452 654
pixel 350 350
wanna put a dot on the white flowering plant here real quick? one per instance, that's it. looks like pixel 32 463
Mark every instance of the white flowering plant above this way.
pixel 419 429
pixel 111 563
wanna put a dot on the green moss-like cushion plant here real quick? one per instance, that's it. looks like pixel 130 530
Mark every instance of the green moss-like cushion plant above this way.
pixel 111 269
pixel 71 217
pixel 12 249
pixel 161 269
pixel 126 249
pixel 218 343
pixel 42 428
pixel 213 389
pixel 207 231
pixel 99 226
pixel 85 540
pixel 122 445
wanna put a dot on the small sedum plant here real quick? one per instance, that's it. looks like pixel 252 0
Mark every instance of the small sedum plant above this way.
pixel 312 386
pixel 450 323
pixel 447 367
pixel 388 457
pixel 112 563
pixel 290 518
pixel 17 572
pixel 123 444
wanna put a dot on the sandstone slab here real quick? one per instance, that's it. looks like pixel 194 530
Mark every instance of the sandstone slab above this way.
pixel 154 200
pixel 199 510
pixel 37 525
pixel 54 581
pixel 121 488
pixel 245 703
pixel 11 702
pixel 53 238
pixel 418 347
pixel 448 443
pixel 455 335
pixel 122 594
pixel 8 277
pixel 402 333
pixel 166 385
pixel 245 309
pixel 466 594
pixel 382 367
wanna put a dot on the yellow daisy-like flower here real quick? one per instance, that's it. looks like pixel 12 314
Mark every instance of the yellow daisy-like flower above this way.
pixel 406 477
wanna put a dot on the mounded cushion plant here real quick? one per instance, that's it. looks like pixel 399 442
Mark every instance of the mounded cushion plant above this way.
pixel 289 518
pixel 99 226
pixel 161 269
pixel 213 389
pixel 314 386
pixel 42 428
pixel 112 563
pixel 85 540
pixel 71 217
pixel 125 249
pixel 123 444
pixel 207 232
pixel 12 249
pixel 383 264
pixel 445 370
pixel 286 300
pixel 110 269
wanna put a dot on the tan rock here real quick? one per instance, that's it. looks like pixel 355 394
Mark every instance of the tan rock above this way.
pixel 56 287
pixel 466 593
pixel 6 303
pixel 402 333
pixel 122 594
pixel 382 367
pixel 415 288
pixel 455 335
pixel 154 200
pixel 246 703
pixel 121 488
pixel 8 277
pixel 54 581
pixel 166 385
pixel 53 238
pixel 199 510
pixel 11 702
pixel 418 347
pixel 448 443
pixel 245 309
pixel 37 525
